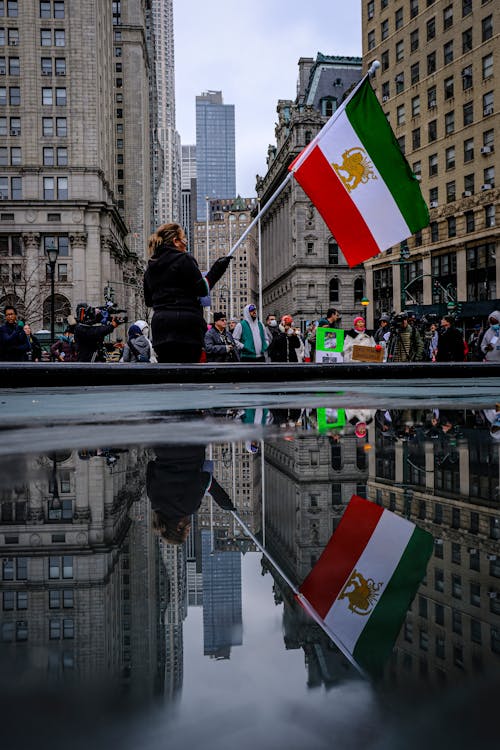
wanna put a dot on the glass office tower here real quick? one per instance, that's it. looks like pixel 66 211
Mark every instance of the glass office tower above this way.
pixel 215 150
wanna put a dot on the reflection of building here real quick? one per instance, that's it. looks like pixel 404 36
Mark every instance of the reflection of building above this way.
pixel 80 573
pixel 304 271
pixel 447 482
pixel 222 611
pixel 437 85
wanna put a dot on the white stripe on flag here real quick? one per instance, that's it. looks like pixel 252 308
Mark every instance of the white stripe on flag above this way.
pixel 378 561
pixel 373 198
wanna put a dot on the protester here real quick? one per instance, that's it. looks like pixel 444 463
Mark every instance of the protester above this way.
pixel 431 336
pixel 35 352
pixel 450 345
pixel 333 317
pixel 250 332
pixel 474 344
pixel 64 349
pixel 381 335
pixel 14 343
pixel 173 285
pixel 145 332
pixel 284 347
pixel 137 348
pixel 405 343
pixel 357 336
pixel 490 345
pixel 271 328
pixel 220 345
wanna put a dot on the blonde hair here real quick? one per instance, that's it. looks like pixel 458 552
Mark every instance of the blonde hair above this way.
pixel 164 235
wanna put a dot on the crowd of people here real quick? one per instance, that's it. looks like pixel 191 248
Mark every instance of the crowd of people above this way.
pixel 176 290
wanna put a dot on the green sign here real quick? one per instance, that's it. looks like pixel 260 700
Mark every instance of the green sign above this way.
pixel 330 419
pixel 329 345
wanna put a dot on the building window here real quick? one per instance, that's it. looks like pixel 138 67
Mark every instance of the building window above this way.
pixel 489 177
pixel 452 226
pixel 448 87
pixel 14 66
pixel 467 40
pixel 333 253
pixel 45 37
pixel 432 131
pixel 486 28
pixel 384 29
pixel 385 91
pixel 415 106
pixel 413 8
pixel 433 165
pixel 431 28
pixel 469 186
pixel 431 97
pixel 399 50
pixel 414 40
pixel 61 97
pixel 469 221
pixel 385 60
pixel 14 96
pixel 398 18
pixel 60 66
pixel 487 64
pixel 467 77
pixel 489 215
pixel 370 9
pixel 431 63
pixel 468 113
pixel 400 82
pixel 451 191
pixel 333 290
pixel 48 156
pixel 448 17
pixel 46 66
pixel 449 122
pixel 400 114
pixel 450 157
pixel 448 52
pixel 61 126
pixel 415 73
pixel 489 140
pixel 466 7
pixel 47 97
pixel 434 231
pixel 488 104
pixel 371 39
pixel 415 138
pixel 468 150
pixel 59 37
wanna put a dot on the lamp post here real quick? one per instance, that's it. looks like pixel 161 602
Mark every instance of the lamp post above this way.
pixel 52 255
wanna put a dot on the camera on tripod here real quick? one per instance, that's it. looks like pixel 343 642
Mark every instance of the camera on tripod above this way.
pixel 396 322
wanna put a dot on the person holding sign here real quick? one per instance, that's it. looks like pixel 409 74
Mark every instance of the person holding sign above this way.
pixel 358 336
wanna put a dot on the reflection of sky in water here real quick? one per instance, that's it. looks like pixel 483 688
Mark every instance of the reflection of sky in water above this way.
pixel 284 684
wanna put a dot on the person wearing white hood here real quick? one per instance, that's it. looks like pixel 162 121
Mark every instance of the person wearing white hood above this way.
pixel 250 333
pixel 490 345
pixel 145 332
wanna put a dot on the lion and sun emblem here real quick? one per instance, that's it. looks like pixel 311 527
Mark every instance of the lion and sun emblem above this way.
pixel 356 168
pixel 361 592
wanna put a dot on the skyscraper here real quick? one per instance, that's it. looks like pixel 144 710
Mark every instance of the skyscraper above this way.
pixel 168 198
pixel 215 150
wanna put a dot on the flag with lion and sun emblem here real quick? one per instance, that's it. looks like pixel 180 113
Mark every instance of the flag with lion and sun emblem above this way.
pixel 365 580
pixel 355 174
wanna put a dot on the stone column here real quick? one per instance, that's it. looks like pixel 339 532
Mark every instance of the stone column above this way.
pixel 427 280
pixel 78 243
pixel 33 278
pixel 461 274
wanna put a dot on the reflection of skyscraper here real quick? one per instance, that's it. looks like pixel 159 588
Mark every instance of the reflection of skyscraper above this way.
pixel 215 150
pixel 222 611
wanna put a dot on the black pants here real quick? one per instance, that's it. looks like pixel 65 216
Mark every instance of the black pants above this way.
pixel 178 352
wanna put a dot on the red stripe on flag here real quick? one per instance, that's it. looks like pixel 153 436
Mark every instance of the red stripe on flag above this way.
pixel 320 182
pixel 324 582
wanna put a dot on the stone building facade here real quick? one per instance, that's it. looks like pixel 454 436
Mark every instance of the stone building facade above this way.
pixel 75 168
pixel 304 272
pixel 438 84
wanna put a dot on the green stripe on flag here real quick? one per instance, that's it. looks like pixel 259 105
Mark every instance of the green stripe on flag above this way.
pixel 377 639
pixel 370 123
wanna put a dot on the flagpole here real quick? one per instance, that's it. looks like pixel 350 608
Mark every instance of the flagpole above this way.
pixel 261 211
pixel 300 597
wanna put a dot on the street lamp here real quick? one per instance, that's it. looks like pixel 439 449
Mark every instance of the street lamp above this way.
pixel 52 255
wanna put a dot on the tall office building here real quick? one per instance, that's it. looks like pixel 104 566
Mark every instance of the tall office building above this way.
pixel 75 156
pixel 215 150
pixel 437 83
pixel 168 198
pixel 188 185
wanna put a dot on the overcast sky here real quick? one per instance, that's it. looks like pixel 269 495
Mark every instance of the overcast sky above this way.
pixel 250 51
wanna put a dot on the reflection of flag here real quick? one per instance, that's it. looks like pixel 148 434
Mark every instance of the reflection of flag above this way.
pixel 360 182
pixel 364 581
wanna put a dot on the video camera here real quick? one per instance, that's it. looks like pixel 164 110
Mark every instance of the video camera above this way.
pixel 396 321
pixel 101 314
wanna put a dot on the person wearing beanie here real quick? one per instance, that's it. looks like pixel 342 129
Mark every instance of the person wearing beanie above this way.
pixel 251 335
pixel 284 346
pixel 358 336
pixel 219 343
pixel 490 345
pixel 137 348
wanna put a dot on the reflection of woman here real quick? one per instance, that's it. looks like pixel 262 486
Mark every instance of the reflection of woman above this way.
pixel 173 285
pixel 175 484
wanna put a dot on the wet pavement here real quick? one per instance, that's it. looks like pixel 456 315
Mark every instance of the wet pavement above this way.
pixel 114 635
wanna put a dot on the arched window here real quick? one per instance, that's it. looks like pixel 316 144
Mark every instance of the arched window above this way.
pixel 62 308
pixel 328 106
pixel 359 289
pixel 333 290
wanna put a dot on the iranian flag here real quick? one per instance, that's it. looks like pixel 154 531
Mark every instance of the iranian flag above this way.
pixel 358 179
pixel 364 582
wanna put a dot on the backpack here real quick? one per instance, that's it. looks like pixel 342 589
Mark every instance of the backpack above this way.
pixel 140 357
